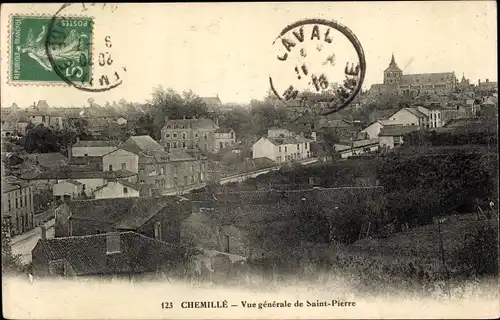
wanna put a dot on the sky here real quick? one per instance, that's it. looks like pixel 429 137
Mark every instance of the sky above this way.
pixel 226 49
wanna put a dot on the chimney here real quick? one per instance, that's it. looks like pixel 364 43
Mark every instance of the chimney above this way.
pixel 487 80
pixel 112 242
pixel 43 232
pixel 166 119
pixel 479 82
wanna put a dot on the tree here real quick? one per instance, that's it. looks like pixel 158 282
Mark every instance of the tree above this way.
pixel 41 139
pixel 11 263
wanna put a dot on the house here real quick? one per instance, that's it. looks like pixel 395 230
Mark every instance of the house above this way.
pixel 120 159
pixel 90 179
pixel 409 116
pixel 439 116
pixel 357 147
pixel 373 129
pixel 158 170
pixel 117 189
pixel 392 136
pixel 67 189
pixel 93 148
pixel 224 138
pixel 15 123
pixel 155 217
pixel 283 148
pixel 123 255
pixel 189 134
pixel 341 128
pixel 17 204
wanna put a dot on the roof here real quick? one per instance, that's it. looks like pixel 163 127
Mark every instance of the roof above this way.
pixel 76 183
pixel 335 124
pixel 393 65
pixel 223 130
pixel 127 213
pixel 179 155
pixel 95 161
pixel 210 101
pixel 87 254
pixel 172 124
pixel 397 130
pixel 95 144
pixel 426 78
pixel 48 160
pixel 153 156
pixel 136 144
pixel 76 173
pixel 123 182
pixel 288 140
pixel 416 112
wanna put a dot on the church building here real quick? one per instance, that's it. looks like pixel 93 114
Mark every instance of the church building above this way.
pixel 414 84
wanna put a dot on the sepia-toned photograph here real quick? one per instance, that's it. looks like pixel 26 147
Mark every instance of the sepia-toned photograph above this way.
pixel 293 160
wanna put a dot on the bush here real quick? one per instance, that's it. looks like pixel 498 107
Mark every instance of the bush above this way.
pixel 479 254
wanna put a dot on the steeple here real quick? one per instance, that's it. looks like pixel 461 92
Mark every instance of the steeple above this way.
pixel 393 66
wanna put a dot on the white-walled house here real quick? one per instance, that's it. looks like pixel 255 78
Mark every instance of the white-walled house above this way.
pixel 392 136
pixel 373 129
pixel 94 148
pixel 120 159
pixel 410 116
pixel 282 149
pixel 69 188
pixel 117 189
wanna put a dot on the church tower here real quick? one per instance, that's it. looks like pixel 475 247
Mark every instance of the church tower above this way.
pixel 392 75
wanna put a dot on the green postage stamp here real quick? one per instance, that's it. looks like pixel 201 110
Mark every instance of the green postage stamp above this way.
pixel 48 50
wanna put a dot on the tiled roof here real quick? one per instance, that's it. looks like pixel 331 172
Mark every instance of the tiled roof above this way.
pixel 397 130
pixel 416 112
pixel 173 124
pixel 153 156
pixel 426 78
pixel 130 184
pixel 288 140
pixel 127 213
pixel 77 173
pixel 136 144
pixel 96 143
pixel 87 254
pixel 48 160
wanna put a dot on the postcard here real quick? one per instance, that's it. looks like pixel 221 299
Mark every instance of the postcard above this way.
pixel 250 160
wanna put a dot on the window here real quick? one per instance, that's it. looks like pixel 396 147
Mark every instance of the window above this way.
pixel 279 149
pixel 185 180
pixel 196 134
pixel 167 135
pixel 175 144
pixel 183 135
pixel 205 136
pixel 21 202
pixel 110 167
pixel 162 171
pixel 175 135
pixel 176 181
pixel 158 234
pixel 285 149
pixel 176 169
pixel 17 203
pixel 184 145
pixel 125 190
pixel 86 154
pixel 221 145
pixel 10 207
pixel 83 187
pixel 232 135
pixel 124 166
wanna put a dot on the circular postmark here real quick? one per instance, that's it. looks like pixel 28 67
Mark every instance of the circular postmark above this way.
pixel 317 60
pixel 82 55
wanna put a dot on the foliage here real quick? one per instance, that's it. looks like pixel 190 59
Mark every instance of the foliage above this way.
pixel 169 103
pixel 479 254
pixel 10 263
pixel 462 137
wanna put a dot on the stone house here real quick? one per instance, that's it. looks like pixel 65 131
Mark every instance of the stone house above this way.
pixel 189 134
pixel 17 204
pixel 120 255
pixel 155 217
pixel 224 138
pixel 117 189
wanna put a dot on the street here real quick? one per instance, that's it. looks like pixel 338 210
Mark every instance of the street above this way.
pixel 23 244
